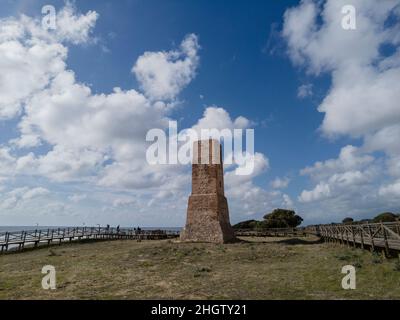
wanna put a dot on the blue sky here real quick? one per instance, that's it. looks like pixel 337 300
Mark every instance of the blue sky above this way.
pixel 254 60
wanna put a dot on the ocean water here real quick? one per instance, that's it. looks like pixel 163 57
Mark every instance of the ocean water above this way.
pixel 30 228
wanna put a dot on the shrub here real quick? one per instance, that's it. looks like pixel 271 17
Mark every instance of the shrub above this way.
pixel 385 217
pixel 348 220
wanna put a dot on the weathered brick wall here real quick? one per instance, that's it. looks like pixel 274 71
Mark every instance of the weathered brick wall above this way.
pixel 208 213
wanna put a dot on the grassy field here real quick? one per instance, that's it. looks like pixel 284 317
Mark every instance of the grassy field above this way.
pixel 269 268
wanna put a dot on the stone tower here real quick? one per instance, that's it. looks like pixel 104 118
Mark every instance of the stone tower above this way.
pixel 207 214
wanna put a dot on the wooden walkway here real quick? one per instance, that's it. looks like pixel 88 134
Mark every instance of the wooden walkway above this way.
pixel 18 240
pixel 373 236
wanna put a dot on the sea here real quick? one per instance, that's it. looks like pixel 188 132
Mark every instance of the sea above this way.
pixel 30 228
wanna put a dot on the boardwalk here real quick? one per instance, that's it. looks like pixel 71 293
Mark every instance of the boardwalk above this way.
pixel 373 236
pixel 18 240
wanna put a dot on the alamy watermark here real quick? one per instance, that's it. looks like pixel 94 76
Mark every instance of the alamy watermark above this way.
pixel 49 280
pixel 177 148
pixel 349 20
pixel 49 20
pixel 349 281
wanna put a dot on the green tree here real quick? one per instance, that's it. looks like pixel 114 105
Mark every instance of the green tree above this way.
pixel 386 217
pixel 348 220
pixel 282 218
pixel 248 224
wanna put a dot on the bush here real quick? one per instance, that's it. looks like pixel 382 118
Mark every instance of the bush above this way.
pixel 348 220
pixel 248 224
pixel 282 218
pixel 386 217
pixel 279 218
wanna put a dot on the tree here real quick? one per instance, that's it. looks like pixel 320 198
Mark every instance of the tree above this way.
pixel 386 217
pixel 282 218
pixel 248 224
pixel 348 220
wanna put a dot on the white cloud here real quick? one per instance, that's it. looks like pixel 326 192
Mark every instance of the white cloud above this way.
pixel 162 75
pixel 321 191
pixel 36 192
pixel 350 158
pixel 72 136
pixel 123 202
pixel 77 197
pixel 218 118
pixel 94 137
pixel 361 103
pixel 364 93
pixel 280 183
pixel 391 190
pixel 20 195
pixel 287 202
pixel 31 56
pixel 75 27
pixel 304 91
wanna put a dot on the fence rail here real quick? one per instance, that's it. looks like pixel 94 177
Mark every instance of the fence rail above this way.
pixel 19 239
pixel 375 236
pixel 383 236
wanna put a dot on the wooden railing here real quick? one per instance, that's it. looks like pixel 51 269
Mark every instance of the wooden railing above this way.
pixel 19 239
pixel 374 236
pixel 383 236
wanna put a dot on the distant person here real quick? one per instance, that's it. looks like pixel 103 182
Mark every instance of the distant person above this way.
pixel 118 229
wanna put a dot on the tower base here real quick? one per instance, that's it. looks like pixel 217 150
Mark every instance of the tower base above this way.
pixel 208 220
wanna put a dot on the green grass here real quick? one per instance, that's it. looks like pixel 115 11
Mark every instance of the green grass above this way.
pixel 266 268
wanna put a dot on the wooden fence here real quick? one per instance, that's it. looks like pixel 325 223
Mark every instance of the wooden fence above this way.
pixel 18 240
pixel 373 236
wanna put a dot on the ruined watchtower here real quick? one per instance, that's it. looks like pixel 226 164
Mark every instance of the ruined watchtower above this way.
pixel 207 214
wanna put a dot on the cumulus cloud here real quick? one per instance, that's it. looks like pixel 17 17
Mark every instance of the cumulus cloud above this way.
pixel 69 134
pixel 320 191
pixel 218 118
pixel 362 101
pixel 20 195
pixel 30 56
pixel 392 190
pixel 280 183
pixel 364 94
pixel 287 202
pixel 162 75
pixel 98 138
pixel 350 158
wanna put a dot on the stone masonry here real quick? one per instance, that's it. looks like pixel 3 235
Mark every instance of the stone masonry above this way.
pixel 207 214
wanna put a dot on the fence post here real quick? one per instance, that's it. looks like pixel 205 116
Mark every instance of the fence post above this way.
pixel 371 237
pixel 23 244
pixel 362 236
pixel 38 241
pixel 7 239
pixel 387 252
pixel 341 235
pixel 354 236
